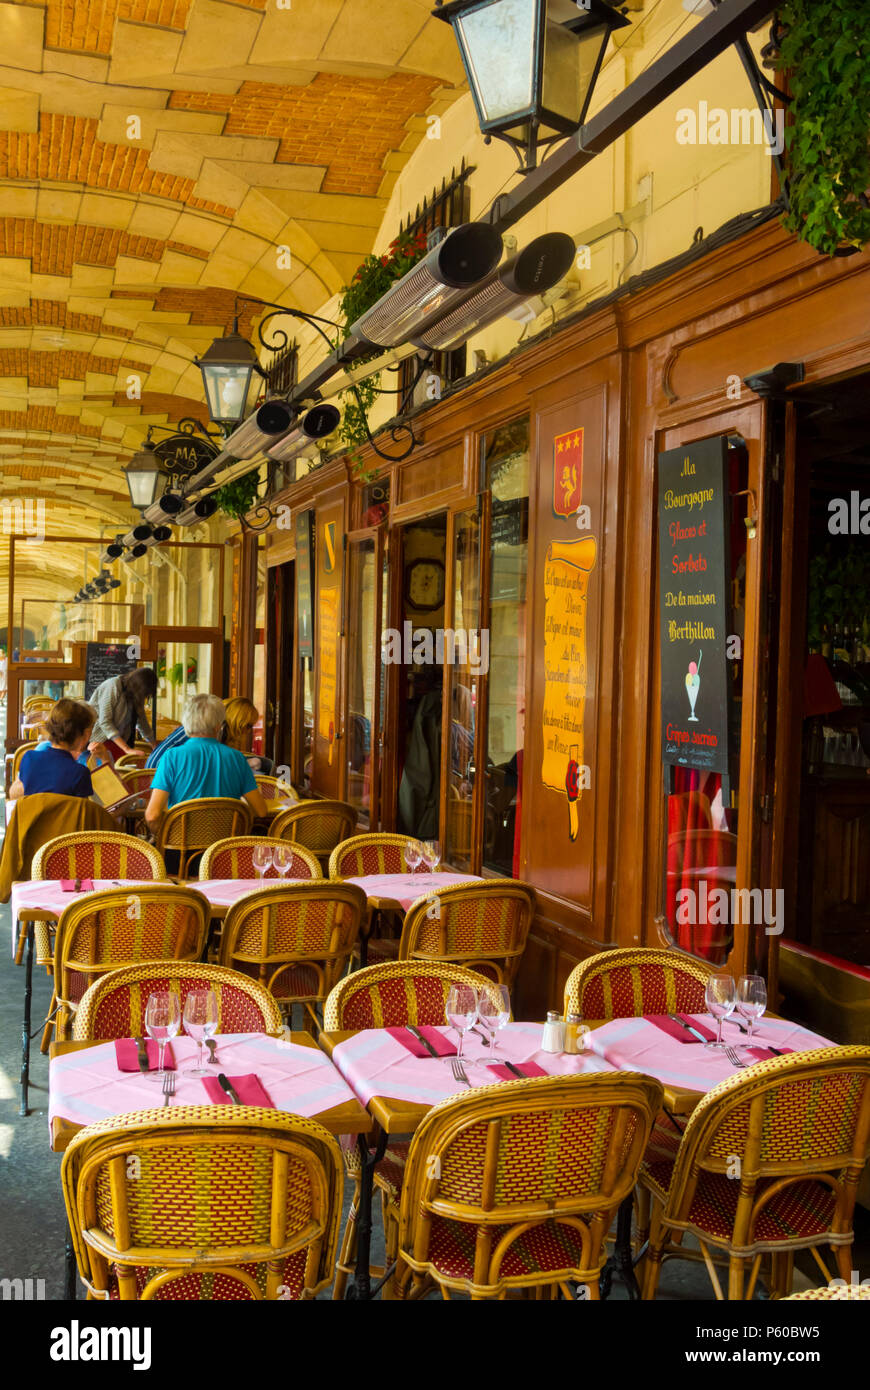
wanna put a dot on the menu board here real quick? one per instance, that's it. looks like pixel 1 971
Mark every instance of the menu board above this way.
pixel 105 659
pixel 693 604
pixel 304 603
pixel 567 569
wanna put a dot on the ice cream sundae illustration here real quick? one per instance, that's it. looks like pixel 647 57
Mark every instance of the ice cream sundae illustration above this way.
pixel 693 681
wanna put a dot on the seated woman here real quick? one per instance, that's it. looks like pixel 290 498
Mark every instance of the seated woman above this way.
pixel 52 767
pixel 241 716
pixel 203 766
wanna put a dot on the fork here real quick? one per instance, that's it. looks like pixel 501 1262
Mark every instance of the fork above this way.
pixel 459 1072
pixel 168 1086
pixel 733 1058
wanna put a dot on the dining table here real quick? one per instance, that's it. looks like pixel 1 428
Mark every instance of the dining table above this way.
pixel 396 893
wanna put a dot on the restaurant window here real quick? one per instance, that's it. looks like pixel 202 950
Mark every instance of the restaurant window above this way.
pixel 464 677
pixel 307 750
pixel 505 469
pixel 361 675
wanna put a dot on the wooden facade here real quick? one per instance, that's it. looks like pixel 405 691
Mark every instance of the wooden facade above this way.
pixel 650 371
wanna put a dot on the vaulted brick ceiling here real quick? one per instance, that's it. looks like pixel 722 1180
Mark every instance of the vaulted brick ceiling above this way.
pixel 154 157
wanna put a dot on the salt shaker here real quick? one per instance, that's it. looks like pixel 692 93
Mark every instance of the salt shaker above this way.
pixel 554 1033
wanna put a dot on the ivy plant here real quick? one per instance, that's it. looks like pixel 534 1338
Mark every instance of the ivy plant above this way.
pixel 236 499
pixel 825 51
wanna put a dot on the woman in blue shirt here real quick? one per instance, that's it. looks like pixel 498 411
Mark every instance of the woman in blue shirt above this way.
pixel 53 767
pixel 203 766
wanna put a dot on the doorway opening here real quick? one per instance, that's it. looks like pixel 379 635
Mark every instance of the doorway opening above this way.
pixel 413 646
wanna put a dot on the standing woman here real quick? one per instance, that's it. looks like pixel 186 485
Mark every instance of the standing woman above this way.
pixel 120 703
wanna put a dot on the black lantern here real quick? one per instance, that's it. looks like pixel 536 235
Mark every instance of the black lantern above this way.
pixel 531 64
pixel 228 369
pixel 143 476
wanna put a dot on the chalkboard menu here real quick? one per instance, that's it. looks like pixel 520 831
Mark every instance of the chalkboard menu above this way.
pixel 694 605
pixel 304 597
pixel 107 659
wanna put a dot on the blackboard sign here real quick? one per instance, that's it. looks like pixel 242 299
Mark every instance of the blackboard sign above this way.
pixel 694 605
pixel 107 659
pixel 304 598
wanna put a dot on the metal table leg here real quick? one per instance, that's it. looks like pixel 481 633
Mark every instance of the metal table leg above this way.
pixel 25 1027
pixel 360 1288
pixel 621 1262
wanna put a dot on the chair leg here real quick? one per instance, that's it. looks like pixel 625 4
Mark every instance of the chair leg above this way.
pixel 843 1256
pixel 391 1245
pixel 782 1268
pixel 652 1265
pixel 347 1254
pixel 49 1024
pixel 735 1279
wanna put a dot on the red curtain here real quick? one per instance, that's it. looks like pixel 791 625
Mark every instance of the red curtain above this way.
pixel 701 860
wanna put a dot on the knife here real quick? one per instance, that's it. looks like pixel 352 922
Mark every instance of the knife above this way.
pixel 675 1018
pixel 143 1056
pixel 775 1050
pixel 516 1071
pixel 415 1033
pixel 224 1082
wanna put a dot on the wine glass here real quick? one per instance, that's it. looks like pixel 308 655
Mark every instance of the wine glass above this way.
pixel 461 1010
pixel 720 997
pixel 751 1000
pixel 413 854
pixel 282 858
pixel 494 1009
pixel 261 858
pixel 200 1022
pixel 432 855
pixel 162 1021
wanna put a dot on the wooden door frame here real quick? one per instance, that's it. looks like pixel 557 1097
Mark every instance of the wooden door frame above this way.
pixel 377 534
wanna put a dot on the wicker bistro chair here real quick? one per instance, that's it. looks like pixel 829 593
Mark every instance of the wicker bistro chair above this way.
pixel 374 853
pixel 131 762
pixel 318 825
pixel 17 756
pixel 387 996
pixel 515 1185
pixel 295 940
pixel 796 1129
pixel 231 858
pixel 636 980
pixel 137 779
pixel 273 788
pixel 203 1202
pixel 120 926
pixel 191 826
pixel 482 925
pixel 114 1006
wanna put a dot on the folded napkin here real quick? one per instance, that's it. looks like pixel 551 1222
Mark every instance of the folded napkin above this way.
pixel 443 1046
pixel 127 1055
pixel 764 1054
pixel 673 1030
pixel 68 885
pixel 527 1068
pixel 249 1090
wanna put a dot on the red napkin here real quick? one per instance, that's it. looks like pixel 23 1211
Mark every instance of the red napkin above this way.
pixel 127 1055
pixel 443 1046
pixel 249 1090
pixel 764 1054
pixel 527 1068
pixel 679 1034
pixel 68 885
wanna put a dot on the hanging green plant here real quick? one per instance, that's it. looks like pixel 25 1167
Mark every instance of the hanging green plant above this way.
pixel 824 49
pixel 236 499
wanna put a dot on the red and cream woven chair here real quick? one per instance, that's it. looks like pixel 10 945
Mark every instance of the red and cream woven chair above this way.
pixel 482 925
pixel 232 859
pixel 769 1163
pixel 514 1186
pixel 137 779
pixel 318 825
pixel 375 853
pixel 636 980
pixel 203 1202
pixel 387 996
pixel 119 926
pixel 114 1006
pixel 274 789
pixel 131 762
pixel 191 826
pixel 296 939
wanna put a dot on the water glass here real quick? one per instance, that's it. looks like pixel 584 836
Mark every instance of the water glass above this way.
pixel 494 1009
pixel 282 858
pixel 751 1000
pixel 162 1021
pixel 261 858
pixel 413 855
pixel 461 1010
pixel 432 855
pixel 200 1022
pixel 721 997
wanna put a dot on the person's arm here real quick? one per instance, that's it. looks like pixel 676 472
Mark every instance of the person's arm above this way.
pixel 16 790
pixel 248 790
pixel 144 727
pixel 156 809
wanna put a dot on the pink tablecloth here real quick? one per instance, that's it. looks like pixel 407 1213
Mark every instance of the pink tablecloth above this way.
pixel 223 892
pixel 407 888
pixel 633 1044
pixel 87 1086
pixel 375 1064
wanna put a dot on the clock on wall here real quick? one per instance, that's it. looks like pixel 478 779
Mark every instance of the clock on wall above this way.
pixel 424 584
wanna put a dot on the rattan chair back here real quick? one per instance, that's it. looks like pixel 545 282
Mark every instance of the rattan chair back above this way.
pixel 128 762
pixel 232 858
pixel 482 925
pixel 374 853
pixel 274 788
pixel 114 1006
pixel 137 779
pixel 97 854
pixel 19 754
pixel 637 980
pixel 318 825
pixel 395 993
pixel 191 826
pixel 204 1202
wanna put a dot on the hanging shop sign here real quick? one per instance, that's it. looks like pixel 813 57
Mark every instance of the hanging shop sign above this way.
pixel 694 605
pixel 185 454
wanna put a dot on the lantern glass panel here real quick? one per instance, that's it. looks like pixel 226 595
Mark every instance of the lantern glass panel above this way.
pixel 498 44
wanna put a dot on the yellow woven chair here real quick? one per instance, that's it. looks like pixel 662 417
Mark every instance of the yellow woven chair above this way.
pixel 296 940
pixel 18 755
pixel 114 1006
pixel 514 1186
pixel 42 702
pixel 837 1289
pixel 769 1163
pixel 231 858
pixel 274 788
pixel 203 1202
pixel 636 980
pixel 318 825
pixel 137 779
pixel 373 853
pixel 191 826
pixel 130 762
pixel 387 996
pixel 482 925
pixel 119 926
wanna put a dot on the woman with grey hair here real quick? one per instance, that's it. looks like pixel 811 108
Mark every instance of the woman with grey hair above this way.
pixel 203 766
